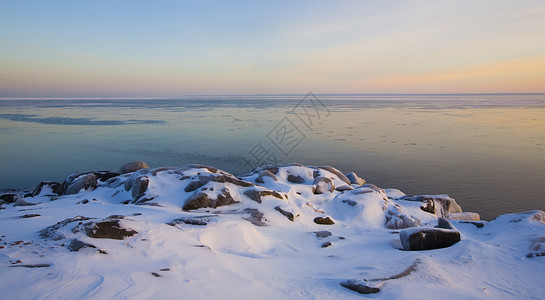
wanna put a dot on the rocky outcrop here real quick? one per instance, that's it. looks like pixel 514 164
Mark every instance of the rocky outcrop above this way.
pixel 48 187
pixel 108 229
pixel 75 183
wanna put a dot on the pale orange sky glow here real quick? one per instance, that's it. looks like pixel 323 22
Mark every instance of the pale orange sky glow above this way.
pixel 171 49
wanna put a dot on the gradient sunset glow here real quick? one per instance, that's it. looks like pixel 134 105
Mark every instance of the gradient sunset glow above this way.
pixel 175 48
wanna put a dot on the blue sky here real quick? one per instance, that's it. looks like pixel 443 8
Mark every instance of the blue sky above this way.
pixel 174 48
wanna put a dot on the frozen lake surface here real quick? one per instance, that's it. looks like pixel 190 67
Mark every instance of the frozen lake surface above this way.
pixel 486 151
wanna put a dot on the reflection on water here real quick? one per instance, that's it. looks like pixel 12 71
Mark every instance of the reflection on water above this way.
pixel 487 151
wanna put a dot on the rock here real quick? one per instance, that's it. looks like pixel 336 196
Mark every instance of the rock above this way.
pixel 323 184
pixel 255 217
pixel 396 219
pixel 50 186
pixel 322 234
pixel 75 183
pixel 257 195
pixel 202 199
pixel 441 206
pixel 336 172
pixel 359 287
pixel 10 198
pixel 21 202
pixel 108 229
pixel 76 245
pixel 295 179
pixel 464 216
pixel 220 178
pixel 199 220
pixel 429 207
pixel 265 173
pixel 323 221
pixel 105 175
pixel 444 223
pixel 287 214
pixel 355 179
pixel 139 187
pixel 133 166
pixel 350 202
pixel 27 216
pixel 326 244
pixel 343 188
pixel 414 239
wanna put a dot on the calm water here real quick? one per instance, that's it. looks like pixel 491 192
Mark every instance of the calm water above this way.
pixel 487 151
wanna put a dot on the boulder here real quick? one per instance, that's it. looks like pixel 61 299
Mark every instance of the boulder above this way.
pixel 323 221
pixel 359 287
pixel 76 245
pixel 74 183
pixel 255 217
pixel 414 239
pixel 323 184
pixel 295 179
pixel 336 172
pixel 47 187
pixel 441 206
pixel 139 187
pixel 257 195
pixel 133 166
pixel 285 213
pixel 322 234
pixel 355 179
pixel 263 174
pixel 108 229
pixel 10 198
pixel 202 199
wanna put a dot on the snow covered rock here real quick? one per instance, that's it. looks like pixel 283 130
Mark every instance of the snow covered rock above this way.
pixel 355 179
pixel 418 238
pixel 76 182
pixel 47 187
pixel 323 184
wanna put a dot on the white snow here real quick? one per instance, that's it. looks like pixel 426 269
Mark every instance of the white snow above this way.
pixel 231 258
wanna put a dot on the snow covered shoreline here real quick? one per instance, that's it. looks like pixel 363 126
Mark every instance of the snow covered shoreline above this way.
pixel 285 231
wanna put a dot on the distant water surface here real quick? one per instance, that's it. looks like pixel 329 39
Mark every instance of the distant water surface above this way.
pixel 486 151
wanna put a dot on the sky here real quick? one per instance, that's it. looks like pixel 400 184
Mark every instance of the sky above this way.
pixel 175 48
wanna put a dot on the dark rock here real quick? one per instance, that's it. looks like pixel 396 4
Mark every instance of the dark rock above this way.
pixel 32 266
pixel 75 183
pixel 30 216
pixel 201 200
pixel 323 184
pixel 55 187
pixel 76 245
pixel 108 229
pixel 315 173
pixel 133 166
pixel 336 172
pixel 161 169
pixel 359 287
pixel 477 224
pixel 257 195
pixel 355 179
pixel 196 201
pixel 287 214
pixel 350 202
pixel 139 187
pixel 322 234
pixel 10 198
pixel 256 217
pixel 105 175
pixel 323 221
pixel 295 179
pixel 326 244
pixel 155 274
pixel 428 238
pixel 429 207
pixel 210 169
